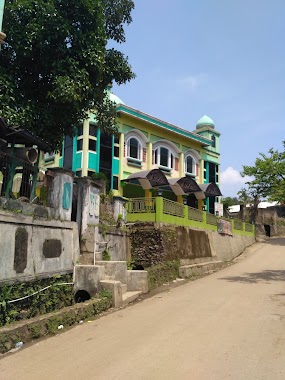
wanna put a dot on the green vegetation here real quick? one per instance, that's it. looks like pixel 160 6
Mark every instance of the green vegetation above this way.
pixel 268 175
pixel 50 323
pixel 161 273
pixel 51 299
pixel 106 255
pixel 50 80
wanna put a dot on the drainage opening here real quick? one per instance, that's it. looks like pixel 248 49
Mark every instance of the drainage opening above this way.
pixel 138 267
pixel 267 230
pixel 81 296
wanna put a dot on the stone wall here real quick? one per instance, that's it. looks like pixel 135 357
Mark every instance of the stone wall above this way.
pixel 274 218
pixel 35 247
pixel 153 243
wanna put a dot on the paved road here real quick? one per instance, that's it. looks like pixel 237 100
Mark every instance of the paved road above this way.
pixel 229 325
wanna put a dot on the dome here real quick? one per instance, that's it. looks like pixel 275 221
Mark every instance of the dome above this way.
pixel 115 99
pixel 205 121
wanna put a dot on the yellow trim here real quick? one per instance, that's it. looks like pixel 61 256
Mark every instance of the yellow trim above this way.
pixel 181 165
pixel 149 156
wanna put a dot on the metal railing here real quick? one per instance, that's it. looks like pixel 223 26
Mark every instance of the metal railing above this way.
pixel 158 207
pixel 248 227
pixel 238 225
pixel 211 219
pixel 173 208
pixel 17 178
pixel 195 214
pixel 141 205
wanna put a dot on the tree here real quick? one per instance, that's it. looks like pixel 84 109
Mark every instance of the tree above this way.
pixel 55 64
pixel 268 175
pixel 250 199
pixel 229 201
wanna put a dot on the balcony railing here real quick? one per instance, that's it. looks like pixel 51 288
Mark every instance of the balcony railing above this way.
pixel 166 211
pixel 211 219
pixel 141 205
pixel 238 225
pixel 248 227
pixel 173 208
pixel 194 214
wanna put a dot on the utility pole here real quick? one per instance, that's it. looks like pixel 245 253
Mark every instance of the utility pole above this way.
pixel 2 35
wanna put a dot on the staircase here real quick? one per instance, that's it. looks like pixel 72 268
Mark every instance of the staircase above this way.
pixel 125 285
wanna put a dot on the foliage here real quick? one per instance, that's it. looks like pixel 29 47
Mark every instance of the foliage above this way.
pixel 55 64
pixel 105 293
pixel 162 273
pixel 99 176
pixel 268 176
pixel 106 255
pixel 49 324
pixel 228 201
pixel 51 299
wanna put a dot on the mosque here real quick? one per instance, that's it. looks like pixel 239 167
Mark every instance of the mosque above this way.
pixel 148 157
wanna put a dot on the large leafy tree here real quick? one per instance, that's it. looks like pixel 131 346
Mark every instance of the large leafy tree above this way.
pixel 55 64
pixel 268 175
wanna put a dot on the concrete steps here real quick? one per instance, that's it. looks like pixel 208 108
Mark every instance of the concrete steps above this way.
pixel 125 285
pixel 130 296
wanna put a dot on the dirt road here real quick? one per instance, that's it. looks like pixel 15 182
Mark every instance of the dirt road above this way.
pixel 229 325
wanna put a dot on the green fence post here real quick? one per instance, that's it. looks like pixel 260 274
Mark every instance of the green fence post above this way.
pixel 159 209
pixel 186 220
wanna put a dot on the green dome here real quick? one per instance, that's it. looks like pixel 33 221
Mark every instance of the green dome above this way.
pixel 205 121
pixel 115 99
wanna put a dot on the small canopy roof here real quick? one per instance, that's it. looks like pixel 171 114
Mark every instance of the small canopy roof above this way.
pixel 183 185
pixel 148 179
pixel 20 136
pixel 210 189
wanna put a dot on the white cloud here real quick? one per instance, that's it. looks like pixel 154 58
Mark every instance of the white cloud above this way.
pixel 232 182
pixel 192 82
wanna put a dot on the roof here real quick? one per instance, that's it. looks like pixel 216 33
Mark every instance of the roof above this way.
pixel 163 124
pixel 205 121
pixel 15 135
pixel 211 189
pixel 115 99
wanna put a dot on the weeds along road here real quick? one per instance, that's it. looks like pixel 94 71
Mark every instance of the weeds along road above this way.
pixel 228 325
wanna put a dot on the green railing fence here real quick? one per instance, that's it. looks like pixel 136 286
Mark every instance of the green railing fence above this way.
pixel 165 211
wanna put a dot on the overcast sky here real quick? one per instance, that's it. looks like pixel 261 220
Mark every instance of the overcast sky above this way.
pixel 222 58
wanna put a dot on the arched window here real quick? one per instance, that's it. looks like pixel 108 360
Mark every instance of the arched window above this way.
pixel 164 157
pixel 213 138
pixel 191 162
pixel 190 165
pixel 134 149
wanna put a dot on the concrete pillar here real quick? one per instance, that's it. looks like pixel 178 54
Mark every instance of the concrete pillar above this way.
pixel 88 205
pixel 149 156
pixel 181 165
pixel 60 192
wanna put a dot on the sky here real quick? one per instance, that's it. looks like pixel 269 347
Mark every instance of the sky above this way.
pixel 222 58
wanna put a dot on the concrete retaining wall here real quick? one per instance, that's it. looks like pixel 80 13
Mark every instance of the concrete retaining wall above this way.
pixel 118 245
pixel 227 247
pixel 153 243
pixel 32 247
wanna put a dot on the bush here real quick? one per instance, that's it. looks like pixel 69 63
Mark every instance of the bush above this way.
pixel 51 299
pixel 161 273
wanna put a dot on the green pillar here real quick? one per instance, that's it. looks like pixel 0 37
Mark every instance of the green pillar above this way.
pixel 159 209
